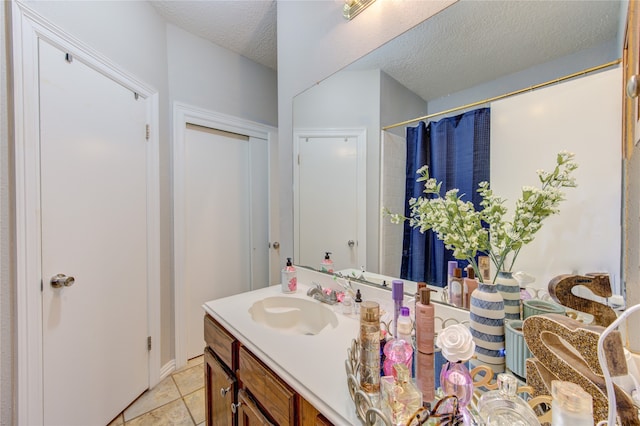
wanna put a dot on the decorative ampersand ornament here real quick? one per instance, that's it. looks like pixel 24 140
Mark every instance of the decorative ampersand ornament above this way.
pixel 566 349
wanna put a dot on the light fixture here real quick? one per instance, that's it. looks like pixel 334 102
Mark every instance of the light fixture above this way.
pixel 352 8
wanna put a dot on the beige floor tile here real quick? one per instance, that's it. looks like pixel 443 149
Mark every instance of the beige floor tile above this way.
pixel 195 404
pixel 118 421
pixel 190 380
pixel 166 391
pixel 195 361
pixel 172 414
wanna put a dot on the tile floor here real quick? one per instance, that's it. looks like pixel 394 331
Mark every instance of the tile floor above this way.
pixel 177 400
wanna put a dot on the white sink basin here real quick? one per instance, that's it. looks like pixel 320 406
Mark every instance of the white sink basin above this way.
pixel 293 315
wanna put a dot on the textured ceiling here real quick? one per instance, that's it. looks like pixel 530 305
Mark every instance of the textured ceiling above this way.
pixel 469 43
pixel 247 27
pixel 473 42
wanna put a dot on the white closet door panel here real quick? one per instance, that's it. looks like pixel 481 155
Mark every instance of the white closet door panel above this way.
pixel 217 232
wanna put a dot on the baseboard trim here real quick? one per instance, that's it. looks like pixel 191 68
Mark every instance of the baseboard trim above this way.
pixel 167 369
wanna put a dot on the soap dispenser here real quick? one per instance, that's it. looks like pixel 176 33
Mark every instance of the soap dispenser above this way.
pixel 327 264
pixel 289 278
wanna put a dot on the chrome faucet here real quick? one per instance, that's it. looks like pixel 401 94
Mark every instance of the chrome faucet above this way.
pixel 317 293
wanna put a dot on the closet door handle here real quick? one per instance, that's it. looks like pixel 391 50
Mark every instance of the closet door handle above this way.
pixel 224 392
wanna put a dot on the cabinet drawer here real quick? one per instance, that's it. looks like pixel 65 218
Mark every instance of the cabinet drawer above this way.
pixel 277 399
pixel 220 341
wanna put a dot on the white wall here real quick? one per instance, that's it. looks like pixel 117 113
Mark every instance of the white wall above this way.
pixel 314 41
pixel 7 290
pixel 582 116
pixel 579 61
pixel 208 76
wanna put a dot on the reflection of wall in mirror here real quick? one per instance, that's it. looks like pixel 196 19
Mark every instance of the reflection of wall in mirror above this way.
pixel 582 116
pixel 392 196
pixel 355 99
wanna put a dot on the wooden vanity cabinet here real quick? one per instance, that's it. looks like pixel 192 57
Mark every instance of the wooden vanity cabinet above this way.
pixel 248 412
pixel 242 391
pixel 220 362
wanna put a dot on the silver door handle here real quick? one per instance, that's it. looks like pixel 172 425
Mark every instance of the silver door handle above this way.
pixel 61 280
pixel 234 407
pixel 351 243
pixel 223 391
pixel 276 245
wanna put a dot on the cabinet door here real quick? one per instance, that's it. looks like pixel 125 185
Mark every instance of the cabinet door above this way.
pixel 248 412
pixel 220 392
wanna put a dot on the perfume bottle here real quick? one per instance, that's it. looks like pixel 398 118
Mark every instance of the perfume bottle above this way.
pixel 571 405
pixel 399 350
pixel 400 399
pixel 503 407
pixel 370 347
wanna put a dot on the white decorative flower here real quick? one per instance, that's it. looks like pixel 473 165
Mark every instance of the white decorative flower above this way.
pixel 456 343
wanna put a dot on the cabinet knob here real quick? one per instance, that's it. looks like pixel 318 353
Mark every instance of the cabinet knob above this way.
pixel 223 391
pixel 234 407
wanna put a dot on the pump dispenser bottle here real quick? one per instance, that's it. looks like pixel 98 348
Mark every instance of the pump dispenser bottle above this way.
pixel 327 264
pixel 470 283
pixel 289 278
pixel 425 330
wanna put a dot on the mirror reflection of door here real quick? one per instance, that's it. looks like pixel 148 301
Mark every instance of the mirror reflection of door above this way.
pixel 329 198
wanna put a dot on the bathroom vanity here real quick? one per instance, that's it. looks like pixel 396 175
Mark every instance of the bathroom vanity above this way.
pixel 282 369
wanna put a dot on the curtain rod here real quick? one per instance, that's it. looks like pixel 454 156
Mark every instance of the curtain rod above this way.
pixel 506 95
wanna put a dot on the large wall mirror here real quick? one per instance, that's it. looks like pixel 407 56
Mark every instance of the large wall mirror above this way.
pixel 347 168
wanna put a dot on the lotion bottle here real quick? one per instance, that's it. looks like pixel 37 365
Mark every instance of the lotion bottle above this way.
pixel 470 283
pixel 425 330
pixel 327 264
pixel 289 278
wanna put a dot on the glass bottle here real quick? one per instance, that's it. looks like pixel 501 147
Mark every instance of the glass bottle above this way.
pixel 571 405
pixel 370 347
pixel 399 350
pixel 503 407
pixel 400 399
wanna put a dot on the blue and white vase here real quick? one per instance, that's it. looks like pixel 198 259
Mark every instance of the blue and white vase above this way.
pixel 486 312
pixel 509 288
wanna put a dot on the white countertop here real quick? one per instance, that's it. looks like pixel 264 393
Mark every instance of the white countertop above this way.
pixel 314 366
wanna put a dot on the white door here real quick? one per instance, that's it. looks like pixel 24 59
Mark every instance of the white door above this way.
pixel 328 201
pixel 94 229
pixel 226 221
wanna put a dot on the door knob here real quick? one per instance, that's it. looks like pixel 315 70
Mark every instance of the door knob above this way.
pixel 351 243
pixel 61 280
pixel 234 407
pixel 276 245
pixel 223 391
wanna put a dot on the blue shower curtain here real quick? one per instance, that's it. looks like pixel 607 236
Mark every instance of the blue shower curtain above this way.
pixel 456 149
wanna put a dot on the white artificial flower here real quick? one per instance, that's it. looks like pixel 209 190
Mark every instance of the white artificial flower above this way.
pixel 456 343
